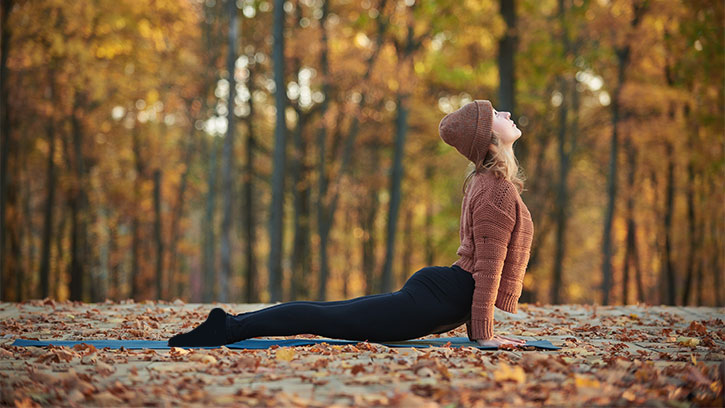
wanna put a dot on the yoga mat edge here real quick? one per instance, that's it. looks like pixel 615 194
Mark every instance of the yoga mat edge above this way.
pixel 266 343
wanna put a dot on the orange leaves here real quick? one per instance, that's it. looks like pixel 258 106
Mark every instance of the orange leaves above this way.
pixel 85 349
pixel 285 354
pixel 56 354
pixel 104 369
pixel 505 372
pixel 178 351
pixel 599 365
pixel 696 328
pixel 431 367
pixel 244 363
pixel 202 358
pixel 26 403
pixel 582 381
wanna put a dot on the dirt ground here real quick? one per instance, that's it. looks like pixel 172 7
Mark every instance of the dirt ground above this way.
pixel 652 356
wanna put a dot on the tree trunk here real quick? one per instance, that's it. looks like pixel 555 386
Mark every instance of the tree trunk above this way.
pixel 657 291
pixel 623 57
pixel 406 259
pixel 567 141
pixel 562 196
pixel 368 215
pixel 300 176
pixel 693 240
pixel 700 260
pixel 669 207
pixel 396 179
pixel 631 256
pixel 209 282
pixel 158 236
pixel 114 264
pixel 175 285
pixel 301 193
pixel 228 158
pixel 506 65
pixel 136 255
pixel 79 213
pixel 622 60
pixel 8 146
pixel 429 246
pixel 701 245
pixel 717 269
pixel 323 205
pixel 347 270
pixel 276 224
pixel 249 215
pixel 328 205
pixel 104 254
pixel 539 184
pixel 27 248
pixel 49 203
pixel 58 267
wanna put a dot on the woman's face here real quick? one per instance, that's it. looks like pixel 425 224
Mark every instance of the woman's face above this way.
pixel 505 128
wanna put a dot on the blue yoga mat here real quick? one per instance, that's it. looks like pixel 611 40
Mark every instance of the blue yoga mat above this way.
pixel 266 343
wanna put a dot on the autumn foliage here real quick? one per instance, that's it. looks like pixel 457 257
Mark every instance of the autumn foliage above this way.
pixel 123 178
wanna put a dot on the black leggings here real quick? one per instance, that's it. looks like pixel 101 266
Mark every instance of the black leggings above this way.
pixel 435 299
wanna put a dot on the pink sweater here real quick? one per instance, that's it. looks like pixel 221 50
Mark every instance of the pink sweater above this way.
pixel 496 233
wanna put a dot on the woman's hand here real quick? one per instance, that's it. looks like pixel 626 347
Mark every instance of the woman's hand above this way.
pixel 499 340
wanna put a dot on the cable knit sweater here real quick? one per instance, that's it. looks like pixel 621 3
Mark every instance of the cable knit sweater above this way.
pixel 495 243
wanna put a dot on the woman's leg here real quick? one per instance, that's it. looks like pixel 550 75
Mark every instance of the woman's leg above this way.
pixel 387 316
pixel 432 298
pixel 429 299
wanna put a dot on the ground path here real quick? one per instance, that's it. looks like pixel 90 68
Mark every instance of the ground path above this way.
pixel 612 356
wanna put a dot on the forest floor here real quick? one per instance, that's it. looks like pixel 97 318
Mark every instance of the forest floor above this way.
pixel 652 356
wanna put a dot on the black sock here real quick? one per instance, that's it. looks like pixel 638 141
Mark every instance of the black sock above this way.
pixel 212 332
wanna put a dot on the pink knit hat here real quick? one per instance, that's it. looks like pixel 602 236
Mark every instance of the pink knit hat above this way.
pixel 469 129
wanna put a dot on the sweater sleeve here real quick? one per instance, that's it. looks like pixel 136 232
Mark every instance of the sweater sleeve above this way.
pixel 493 223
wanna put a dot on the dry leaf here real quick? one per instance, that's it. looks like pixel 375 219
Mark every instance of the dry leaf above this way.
pixel 106 399
pixel 585 382
pixel 285 354
pixel 688 341
pixel 505 372
pixel 202 358
pixel 104 369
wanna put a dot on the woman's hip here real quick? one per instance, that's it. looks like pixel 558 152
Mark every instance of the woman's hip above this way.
pixel 442 286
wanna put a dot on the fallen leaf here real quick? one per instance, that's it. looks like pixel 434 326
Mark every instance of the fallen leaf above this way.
pixel 104 369
pixel 505 372
pixel 285 354
pixel 202 358
pixel 179 351
pixel 585 382
pixel 629 395
pixel 688 341
pixel 106 399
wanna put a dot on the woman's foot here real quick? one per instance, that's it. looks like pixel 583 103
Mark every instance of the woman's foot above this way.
pixel 212 332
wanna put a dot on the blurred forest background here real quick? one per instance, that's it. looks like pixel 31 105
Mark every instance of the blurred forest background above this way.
pixel 269 150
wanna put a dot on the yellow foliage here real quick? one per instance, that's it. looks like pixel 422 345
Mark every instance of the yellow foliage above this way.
pixel 285 354
pixel 505 372
pixel 581 381
pixel 152 96
pixel 688 341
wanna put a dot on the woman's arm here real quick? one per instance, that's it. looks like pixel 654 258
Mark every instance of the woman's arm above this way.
pixel 494 219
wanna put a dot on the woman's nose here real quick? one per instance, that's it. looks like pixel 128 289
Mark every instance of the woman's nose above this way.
pixel 508 115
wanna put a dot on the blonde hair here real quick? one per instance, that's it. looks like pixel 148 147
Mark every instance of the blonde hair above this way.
pixel 501 162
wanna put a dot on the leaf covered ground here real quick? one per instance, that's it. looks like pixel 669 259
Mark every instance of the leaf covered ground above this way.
pixel 611 356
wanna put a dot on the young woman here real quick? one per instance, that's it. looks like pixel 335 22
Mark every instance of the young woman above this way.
pixel 495 239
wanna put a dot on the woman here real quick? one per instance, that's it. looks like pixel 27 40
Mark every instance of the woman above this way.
pixel 495 239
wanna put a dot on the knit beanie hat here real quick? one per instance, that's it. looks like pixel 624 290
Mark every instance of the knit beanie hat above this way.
pixel 469 129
